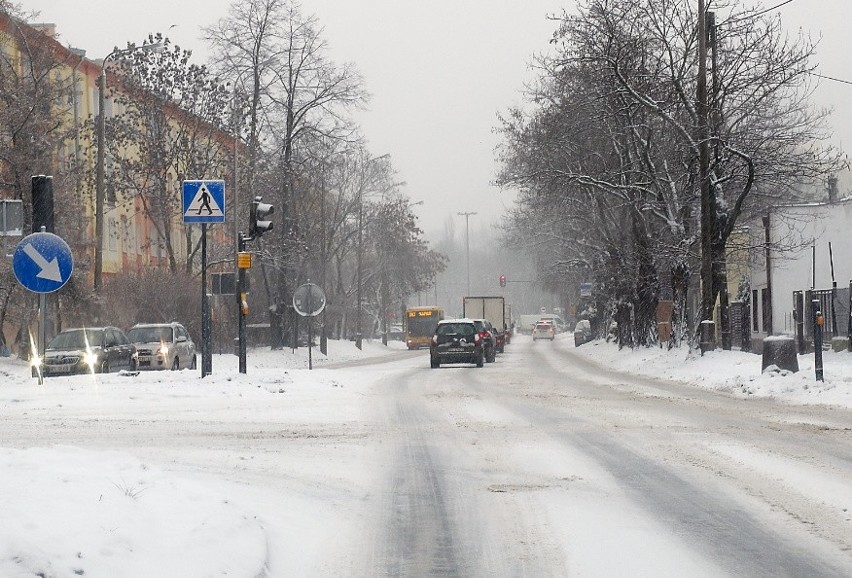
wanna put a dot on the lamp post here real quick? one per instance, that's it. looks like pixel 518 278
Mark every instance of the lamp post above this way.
pixel 360 250
pixel 99 171
pixel 467 241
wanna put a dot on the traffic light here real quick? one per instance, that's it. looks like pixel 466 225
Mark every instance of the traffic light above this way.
pixel 258 218
pixel 42 187
pixel 502 280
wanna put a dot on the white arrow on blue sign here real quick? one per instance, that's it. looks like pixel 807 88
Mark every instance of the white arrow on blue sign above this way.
pixel 43 262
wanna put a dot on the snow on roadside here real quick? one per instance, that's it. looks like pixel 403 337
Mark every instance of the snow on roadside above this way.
pixel 68 511
pixel 733 372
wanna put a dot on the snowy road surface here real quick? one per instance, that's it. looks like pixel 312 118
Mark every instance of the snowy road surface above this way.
pixel 541 464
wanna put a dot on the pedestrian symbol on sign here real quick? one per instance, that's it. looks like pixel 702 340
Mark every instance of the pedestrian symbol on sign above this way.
pixel 203 202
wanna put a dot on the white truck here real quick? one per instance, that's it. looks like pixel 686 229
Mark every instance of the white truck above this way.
pixel 494 310
pixel 491 308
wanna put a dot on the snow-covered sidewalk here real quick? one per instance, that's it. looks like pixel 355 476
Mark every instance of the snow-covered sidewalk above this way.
pixel 733 372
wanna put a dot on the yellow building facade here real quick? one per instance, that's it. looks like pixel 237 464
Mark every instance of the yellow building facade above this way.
pixel 130 237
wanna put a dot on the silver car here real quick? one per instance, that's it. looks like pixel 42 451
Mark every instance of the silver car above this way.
pixel 163 346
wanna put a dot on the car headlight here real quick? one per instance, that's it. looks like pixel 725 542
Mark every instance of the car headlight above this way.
pixel 36 361
pixel 91 359
pixel 164 349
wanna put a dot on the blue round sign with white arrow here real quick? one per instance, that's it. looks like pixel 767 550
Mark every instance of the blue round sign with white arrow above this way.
pixel 42 262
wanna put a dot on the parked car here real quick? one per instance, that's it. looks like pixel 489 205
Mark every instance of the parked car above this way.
pixel 499 339
pixel 544 330
pixel 489 341
pixel 163 346
pixel 457 341
pixel 582 332
pixel 87 350
pixel 396 332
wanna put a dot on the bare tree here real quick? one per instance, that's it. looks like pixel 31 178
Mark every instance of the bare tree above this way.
pixel 277 55
pixel 612 140
pixel 172 127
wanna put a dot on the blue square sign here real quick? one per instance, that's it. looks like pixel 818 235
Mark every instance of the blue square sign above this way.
pixel 203 202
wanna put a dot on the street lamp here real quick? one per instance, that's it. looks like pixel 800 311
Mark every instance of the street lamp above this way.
pixel 467 240
pixel 360 251
pixel 99 171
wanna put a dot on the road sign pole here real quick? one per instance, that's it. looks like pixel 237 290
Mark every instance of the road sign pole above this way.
pixel 310 307
pixel 42 320
pixel 42 331
pixel 206 349
pixel 42 263
pixel 307 303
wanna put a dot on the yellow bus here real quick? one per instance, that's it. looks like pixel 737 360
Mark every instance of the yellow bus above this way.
pixel 420 325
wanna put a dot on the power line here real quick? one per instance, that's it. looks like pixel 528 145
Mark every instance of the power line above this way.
pixel 830 78
pixel 773 8
pixel 770 9
pixel 756 14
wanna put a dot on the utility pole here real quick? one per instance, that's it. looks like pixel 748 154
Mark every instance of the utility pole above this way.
pixel 708 207
pixel 467 241
pixel 358 337
pixel 100 187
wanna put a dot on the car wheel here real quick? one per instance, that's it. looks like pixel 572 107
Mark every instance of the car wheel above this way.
pixel 192 364
pixel 133 364
pixel 435 364
pixel 480 360
pixel 491 357
pixel 176 364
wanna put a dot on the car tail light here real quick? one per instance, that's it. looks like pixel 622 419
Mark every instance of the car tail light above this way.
pixel 477 338
pixel 434 342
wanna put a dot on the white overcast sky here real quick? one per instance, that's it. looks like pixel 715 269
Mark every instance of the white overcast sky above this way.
pixel 438 71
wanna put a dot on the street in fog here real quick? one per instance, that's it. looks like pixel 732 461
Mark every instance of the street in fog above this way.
pixel 541 463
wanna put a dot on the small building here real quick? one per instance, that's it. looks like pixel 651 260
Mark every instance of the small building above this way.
pixel 806 247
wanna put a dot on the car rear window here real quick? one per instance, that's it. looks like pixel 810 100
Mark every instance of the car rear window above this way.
pixel 456 329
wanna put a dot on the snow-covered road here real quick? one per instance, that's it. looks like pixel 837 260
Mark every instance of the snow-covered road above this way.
pixel 541 464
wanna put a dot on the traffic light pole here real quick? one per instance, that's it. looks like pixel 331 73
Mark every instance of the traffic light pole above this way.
pixel 241 313
pixel 258 225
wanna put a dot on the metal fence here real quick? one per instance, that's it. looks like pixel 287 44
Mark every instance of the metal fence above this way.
pixel 739 317
pixel 835 307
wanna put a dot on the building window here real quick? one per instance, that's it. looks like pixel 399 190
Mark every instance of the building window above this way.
pixel 764 295
pixel 755 311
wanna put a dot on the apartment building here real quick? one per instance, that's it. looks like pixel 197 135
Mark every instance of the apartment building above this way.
pixel 61 84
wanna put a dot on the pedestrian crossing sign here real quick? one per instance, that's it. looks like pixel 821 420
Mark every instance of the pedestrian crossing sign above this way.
pixel 203 202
